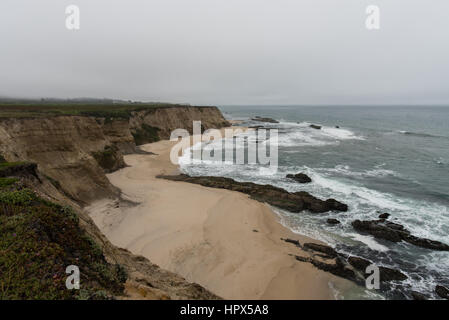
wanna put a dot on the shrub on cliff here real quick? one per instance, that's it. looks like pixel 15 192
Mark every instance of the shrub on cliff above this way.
pixel 146 134
pixel 38 240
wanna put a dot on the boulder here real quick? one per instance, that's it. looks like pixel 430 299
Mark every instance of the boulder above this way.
pixel 443 292
pixel 333 221
pixel 384 216
pixel 299 177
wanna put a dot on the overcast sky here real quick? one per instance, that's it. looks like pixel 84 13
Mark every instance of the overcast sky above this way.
pixel 228 51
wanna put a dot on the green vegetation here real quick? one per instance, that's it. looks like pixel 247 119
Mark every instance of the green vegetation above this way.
pixel 107 109
pixel 146 134
pixel 107 159
pixel 5 165
pixel 38 240
pixel 5 182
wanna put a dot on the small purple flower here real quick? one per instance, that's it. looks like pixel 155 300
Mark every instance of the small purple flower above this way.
pixel 14 235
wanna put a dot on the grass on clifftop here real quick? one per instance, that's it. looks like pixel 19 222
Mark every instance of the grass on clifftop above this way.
pixel 38 240
pixel 108 110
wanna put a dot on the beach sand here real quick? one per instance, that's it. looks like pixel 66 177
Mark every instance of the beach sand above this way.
pixel 220 239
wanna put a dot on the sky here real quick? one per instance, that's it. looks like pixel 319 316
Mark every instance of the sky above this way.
pixel 218 52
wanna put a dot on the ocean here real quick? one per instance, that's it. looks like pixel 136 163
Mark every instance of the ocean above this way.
pixel 375 159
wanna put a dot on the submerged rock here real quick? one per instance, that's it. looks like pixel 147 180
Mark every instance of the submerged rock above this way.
pixel 333 221
pixel 278 197
pixel 314 126
pixel 395 232
pixel 299 177
pixel 443 292
pixel 260 119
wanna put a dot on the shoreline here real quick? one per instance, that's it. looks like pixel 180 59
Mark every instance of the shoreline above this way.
pixel 220 239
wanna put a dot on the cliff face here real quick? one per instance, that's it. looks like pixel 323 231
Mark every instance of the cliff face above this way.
pixel 60 233
pixel 76 151
pixel 168 119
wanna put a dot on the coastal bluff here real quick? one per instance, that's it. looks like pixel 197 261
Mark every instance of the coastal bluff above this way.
pixel 77 150
pixel 57 164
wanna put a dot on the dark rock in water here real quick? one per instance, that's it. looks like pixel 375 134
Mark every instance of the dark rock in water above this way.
pixel 338 127
pixel 336 205
pixel 278 197
pixel 418 296
pixel 443 292
pixel 395 232
pixel 314 126
pixel 328 251
pixel 260 119
pixel 359 263
pixel 427 243
pixel 378 230
pixel 299 177
pixel 328 259
pixel 386 274
pixel 384 216
pixel 333 221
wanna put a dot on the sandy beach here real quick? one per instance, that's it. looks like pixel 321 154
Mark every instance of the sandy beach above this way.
pixel 221 239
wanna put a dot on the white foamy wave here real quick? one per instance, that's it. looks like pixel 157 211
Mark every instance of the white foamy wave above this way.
pixel 347 171
pixel 340 134
pixel 369 241
pixel 301 134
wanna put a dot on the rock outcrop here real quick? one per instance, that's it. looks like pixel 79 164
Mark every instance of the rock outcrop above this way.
pixel 384 216
pixel 299 177
pixel 278 197
pixel 395 232
pixel 332 221
pixel 443 292
pixel 261 119
pixel 352 268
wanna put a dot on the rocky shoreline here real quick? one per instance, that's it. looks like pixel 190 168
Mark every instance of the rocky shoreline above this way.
pixel 325 257
pixel 294 202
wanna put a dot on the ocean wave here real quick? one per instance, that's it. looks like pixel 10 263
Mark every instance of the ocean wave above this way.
pixel 419 134
pixel 301 134
pixel 346 170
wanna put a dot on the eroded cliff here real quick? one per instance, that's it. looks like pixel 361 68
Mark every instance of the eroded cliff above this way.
pixel 76 151
pixel 63 159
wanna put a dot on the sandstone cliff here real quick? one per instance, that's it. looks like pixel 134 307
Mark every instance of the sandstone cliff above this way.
pixel 73 153
pixel 76 151
pixel 104 272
